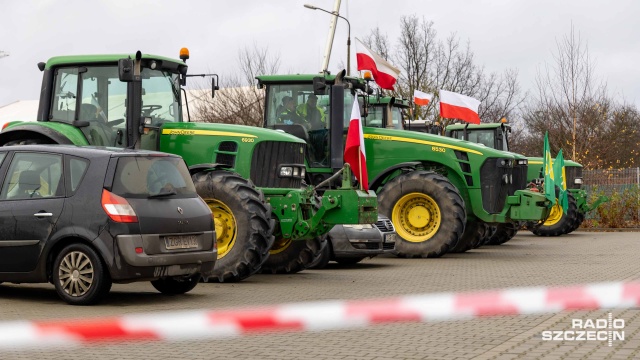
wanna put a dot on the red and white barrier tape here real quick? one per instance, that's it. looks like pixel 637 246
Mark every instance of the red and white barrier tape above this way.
pixel 315 316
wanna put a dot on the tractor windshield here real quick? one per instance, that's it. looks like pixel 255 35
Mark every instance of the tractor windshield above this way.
pixel 484 137
pixel 295 109
pixel 94 94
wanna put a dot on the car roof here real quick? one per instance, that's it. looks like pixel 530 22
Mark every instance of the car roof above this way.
pixel 85 151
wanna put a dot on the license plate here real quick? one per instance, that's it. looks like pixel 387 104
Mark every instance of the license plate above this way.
pixel 390 238
pixel 181 242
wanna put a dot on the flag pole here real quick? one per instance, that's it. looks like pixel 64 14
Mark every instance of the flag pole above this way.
pixel 359 168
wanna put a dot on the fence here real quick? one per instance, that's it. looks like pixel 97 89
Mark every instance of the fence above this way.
pixel 625 182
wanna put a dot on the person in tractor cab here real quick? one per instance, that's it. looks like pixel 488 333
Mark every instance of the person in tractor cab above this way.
pixel 288 114
pixel 312 113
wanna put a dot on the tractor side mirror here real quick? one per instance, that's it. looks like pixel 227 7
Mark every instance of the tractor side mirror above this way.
pixel 319 85
pixel 125 70
pixel 214 85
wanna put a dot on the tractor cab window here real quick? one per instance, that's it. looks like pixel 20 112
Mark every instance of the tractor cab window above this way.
pixel 295 109
pixel 160 104
pixel 484 137
pixel 63 105
pixel 160 96
pixel 396 118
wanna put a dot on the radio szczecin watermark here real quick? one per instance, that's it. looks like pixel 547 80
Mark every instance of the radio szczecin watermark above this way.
pixel 608 330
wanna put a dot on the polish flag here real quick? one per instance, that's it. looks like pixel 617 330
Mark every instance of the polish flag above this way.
pixel 421 98
pixel 458 106
pixel 354 153
pixel 383 72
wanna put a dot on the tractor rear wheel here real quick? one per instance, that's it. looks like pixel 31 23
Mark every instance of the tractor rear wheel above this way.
pixel 244 228
pixel 427 212
pixel 291 256
pixel 558 222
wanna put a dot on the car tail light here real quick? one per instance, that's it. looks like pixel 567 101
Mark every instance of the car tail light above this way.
pixel 118 208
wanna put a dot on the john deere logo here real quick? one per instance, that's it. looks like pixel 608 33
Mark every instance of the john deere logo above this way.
pixel 180 210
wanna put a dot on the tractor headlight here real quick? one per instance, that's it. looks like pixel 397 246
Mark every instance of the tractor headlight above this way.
pixel 523 162
pixel 302 172
pixel 296 171
pixel 578 181
pixel 286 171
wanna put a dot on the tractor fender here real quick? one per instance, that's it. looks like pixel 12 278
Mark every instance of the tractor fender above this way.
pixel 194 169
pixel 376 182
pixel 29 131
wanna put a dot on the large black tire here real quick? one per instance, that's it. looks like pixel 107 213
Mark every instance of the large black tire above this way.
pixel 290 257
pixel 33 141
pixel 322 260
pixel 558 222
pixel 579 219
pixel 244 227
pixel 79 275
pixel 471 237
pixel 488 234
pixel 176 286
pixel 504 232
pixel 427 212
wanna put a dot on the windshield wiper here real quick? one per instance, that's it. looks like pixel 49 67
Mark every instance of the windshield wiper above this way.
pixel 162 194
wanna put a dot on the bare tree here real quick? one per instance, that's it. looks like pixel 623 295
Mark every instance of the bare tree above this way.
pixel 428 64
pixel 239 101
pixel 574 107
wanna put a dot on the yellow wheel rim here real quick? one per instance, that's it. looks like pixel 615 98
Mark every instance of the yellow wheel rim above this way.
pixel 417 217
pixel 280 245
pixel 226 228
pixel 554 215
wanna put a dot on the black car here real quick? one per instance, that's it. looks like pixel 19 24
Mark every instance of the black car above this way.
pixel 83 218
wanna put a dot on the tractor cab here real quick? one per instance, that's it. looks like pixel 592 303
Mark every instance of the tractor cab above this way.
pixel 494 135
pixel 313 108
pixel 383 111
pixel 90 94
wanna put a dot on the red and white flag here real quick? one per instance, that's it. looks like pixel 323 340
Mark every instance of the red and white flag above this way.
pixel 458 106
pixel 354 153
pixel 383 72
pixel 421 98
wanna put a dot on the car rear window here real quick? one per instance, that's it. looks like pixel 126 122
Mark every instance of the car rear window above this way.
pixel 142 176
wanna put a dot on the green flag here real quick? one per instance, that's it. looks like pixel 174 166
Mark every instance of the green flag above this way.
pixel 561 181
pixel 549 179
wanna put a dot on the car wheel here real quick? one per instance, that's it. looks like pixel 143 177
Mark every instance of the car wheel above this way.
pixel 427 211
pixel 291 256
pixel 176 286
pixel 79 275
pixel 244 228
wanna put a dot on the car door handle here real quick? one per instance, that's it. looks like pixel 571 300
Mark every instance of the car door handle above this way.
pixel 43 214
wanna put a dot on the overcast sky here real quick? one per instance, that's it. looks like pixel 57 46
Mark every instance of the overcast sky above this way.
pixel 503 34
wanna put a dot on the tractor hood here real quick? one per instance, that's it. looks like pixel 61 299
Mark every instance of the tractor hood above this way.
pixel 538 161
pixel 432 140
pixel 227 130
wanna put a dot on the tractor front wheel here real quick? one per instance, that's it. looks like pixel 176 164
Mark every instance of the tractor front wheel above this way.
pixel 427 212
pixel 244 229
pixel 558 222
pixel 291 256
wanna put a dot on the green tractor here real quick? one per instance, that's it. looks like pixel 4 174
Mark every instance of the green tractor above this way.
pixel 252 179
pixel 440 193
pixel 496 135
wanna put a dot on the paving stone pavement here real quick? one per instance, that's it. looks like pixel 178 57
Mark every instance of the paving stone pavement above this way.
pixel 527 260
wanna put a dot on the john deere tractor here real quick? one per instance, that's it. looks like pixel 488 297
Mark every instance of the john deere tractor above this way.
pixel 439 192
pixel 251 178
pixel 496 135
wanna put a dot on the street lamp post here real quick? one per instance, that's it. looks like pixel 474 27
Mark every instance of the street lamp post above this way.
pixel 335 13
